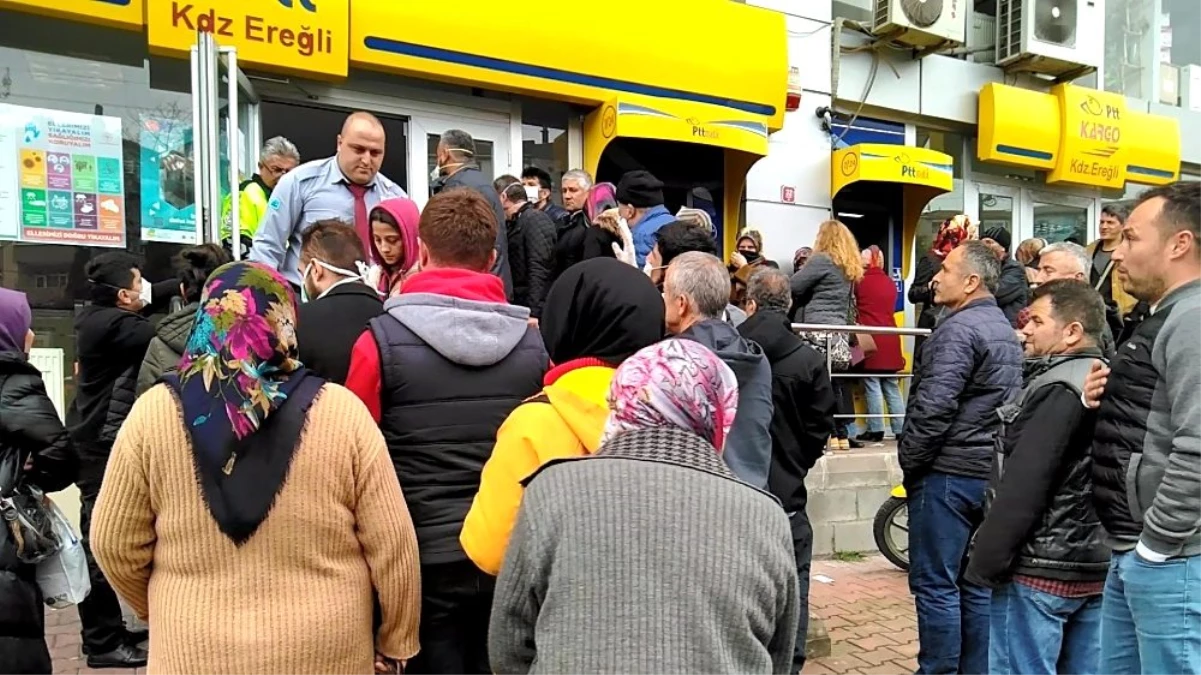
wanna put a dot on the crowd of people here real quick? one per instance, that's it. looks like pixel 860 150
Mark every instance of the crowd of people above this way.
pixel 496 434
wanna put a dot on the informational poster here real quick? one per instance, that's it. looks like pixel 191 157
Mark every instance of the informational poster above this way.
pixel 167 178
pixel 61 177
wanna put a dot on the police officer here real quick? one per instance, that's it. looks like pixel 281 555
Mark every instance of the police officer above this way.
pixel 278 157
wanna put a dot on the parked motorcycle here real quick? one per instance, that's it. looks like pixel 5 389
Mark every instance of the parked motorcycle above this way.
pixel 891 528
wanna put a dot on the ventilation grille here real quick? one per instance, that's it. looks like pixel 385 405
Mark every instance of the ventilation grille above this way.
pixel 1055 22
pixel 922 13
pixel 1009 29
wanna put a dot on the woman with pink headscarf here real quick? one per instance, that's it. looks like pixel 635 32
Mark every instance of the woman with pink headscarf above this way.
pixel 393 244
pixel 645 545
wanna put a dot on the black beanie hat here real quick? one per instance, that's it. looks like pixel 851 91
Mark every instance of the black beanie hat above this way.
pixel 640 189
pixel 999 235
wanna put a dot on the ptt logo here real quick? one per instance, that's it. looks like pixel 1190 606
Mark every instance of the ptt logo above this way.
pixel 307 4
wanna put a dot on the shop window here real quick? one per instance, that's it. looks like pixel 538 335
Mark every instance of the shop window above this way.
pixel 1059 222
pixel 107 78
pixel 544 139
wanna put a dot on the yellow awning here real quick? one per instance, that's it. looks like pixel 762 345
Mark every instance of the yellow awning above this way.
pixel 125 14
pixel 927 171
pixel 1079 135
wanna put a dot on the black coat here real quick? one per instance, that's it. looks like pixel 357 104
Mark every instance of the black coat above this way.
pixel 803 404
pixel 29 425
pixel 1013 289
pixel 569 245
pixel 328 327
pixel 532 236
pixel 970 366
pixel 471 177
pixel 920 292
pixel 1040 519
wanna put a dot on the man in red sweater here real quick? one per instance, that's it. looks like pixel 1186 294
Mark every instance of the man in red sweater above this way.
pixel 440 371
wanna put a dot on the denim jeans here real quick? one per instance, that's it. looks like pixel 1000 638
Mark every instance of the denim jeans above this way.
pixel 1036 632
pixel 952 614
pixel 1151 616
pixel 878 391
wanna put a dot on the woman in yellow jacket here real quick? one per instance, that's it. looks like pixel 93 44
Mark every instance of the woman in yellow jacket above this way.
pixel 598 313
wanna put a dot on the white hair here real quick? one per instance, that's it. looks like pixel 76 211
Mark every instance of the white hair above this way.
pixel 701 278
pixel 1073 250
pixel 579 176
pixel 279 147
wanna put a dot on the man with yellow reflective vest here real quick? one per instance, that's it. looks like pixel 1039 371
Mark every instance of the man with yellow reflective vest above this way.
pixel 278 156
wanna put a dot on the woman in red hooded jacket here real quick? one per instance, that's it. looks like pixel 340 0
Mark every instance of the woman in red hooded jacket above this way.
pixel 876 299
pixel 393 244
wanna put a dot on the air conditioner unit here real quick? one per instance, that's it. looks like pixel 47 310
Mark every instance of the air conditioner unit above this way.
pixel 1062 38
pixel 920 23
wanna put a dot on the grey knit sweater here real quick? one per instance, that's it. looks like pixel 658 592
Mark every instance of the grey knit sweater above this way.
pixel 648 557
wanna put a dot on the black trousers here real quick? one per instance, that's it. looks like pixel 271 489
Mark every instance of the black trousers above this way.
pixel 456 605
pixel 802 543
pixel 100 612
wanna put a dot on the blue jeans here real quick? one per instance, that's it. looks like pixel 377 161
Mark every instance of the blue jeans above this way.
pixel 952 614
pixel 877 391
pixel 1036 632
pixel 1151 616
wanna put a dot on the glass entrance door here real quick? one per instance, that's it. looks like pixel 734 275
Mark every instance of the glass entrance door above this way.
pixel 226 138
pixel 493 150
pixel 998 206
pixel 1058 217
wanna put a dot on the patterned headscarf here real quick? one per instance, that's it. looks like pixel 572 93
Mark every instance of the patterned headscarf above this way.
pixel 674 383
pixel 953 232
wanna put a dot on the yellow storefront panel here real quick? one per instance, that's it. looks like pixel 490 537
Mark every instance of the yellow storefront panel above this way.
pixel 712 52
pixel 308 37
pixel 1079 135
pixel 116 13
pixel 1029 139
pixel 920 167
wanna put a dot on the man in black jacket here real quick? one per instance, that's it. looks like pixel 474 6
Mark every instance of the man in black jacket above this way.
pixel 540 194
pixel 457 168
pixel 969 366
pixel 1041 546
pixel 802 418
pixel 1012 287
pixel 338 304
pixel 532 235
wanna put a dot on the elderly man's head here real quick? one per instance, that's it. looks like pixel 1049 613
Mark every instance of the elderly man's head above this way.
pixel 697 288
pixel 1063 260
pixel 969 272
pixel 768 291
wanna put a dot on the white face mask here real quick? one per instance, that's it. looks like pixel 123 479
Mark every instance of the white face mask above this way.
pixel 532 193
pixel 144 293
pixel 347 275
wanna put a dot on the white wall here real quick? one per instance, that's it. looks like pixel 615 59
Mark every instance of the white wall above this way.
pixel 799 154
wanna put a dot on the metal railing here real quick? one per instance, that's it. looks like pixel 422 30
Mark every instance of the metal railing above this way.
pixel 829 329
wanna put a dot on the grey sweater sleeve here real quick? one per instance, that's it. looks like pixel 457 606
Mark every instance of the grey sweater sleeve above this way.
pixel 783 641
pixel 519 589
pixel 1174 516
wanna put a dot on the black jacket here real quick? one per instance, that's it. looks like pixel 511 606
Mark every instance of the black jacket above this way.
pixel 970 366
pixel 1039 518
pixel 920 292
pixel 328 327
pixel 532 236
pixel 470 176
pixel 1012 289
pixel 110 344
pixel 29 425
pixel 803 405
pixel 569 244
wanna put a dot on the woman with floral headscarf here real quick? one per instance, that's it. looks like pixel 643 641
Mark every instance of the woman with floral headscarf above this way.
pixel 249 509
pixel 953 232
pixel 639 557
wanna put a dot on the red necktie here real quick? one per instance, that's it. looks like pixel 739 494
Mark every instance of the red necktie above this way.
pixel 360 215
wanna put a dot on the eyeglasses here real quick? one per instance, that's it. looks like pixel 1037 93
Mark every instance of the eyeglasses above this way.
pixel 276 170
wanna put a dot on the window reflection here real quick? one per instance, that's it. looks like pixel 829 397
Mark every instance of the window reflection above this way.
pixel 1059 222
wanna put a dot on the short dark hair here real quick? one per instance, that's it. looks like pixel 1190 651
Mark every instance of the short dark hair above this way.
pixel 194 265
pixel 458 141
pixel 1074 301
pixel 1181 209
pixel 504 181
pixel 679 237
pixel 983 262
pixel 458 227
pixel 1116 210
pixel 535 172
pixel 107 274
pixel 515 192
pixel 333 242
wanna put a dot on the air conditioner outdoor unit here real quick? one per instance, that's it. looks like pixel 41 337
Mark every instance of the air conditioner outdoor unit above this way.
pixel 920 23
pixel 1062 38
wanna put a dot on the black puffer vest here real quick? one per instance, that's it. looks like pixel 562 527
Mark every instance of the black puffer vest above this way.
pixel 440 420
pixel 1068 543
pixel 1121 429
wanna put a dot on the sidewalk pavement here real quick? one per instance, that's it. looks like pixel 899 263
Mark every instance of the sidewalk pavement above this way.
pixel 868 612
pixel 865 605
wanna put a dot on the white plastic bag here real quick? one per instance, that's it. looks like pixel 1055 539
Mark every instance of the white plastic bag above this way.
pixel 63 577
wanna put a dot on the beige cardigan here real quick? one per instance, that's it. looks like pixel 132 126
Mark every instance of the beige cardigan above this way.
pixel 296 597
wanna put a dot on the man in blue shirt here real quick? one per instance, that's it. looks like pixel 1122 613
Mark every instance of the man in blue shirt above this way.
pixel 640 202
pixel 343 187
